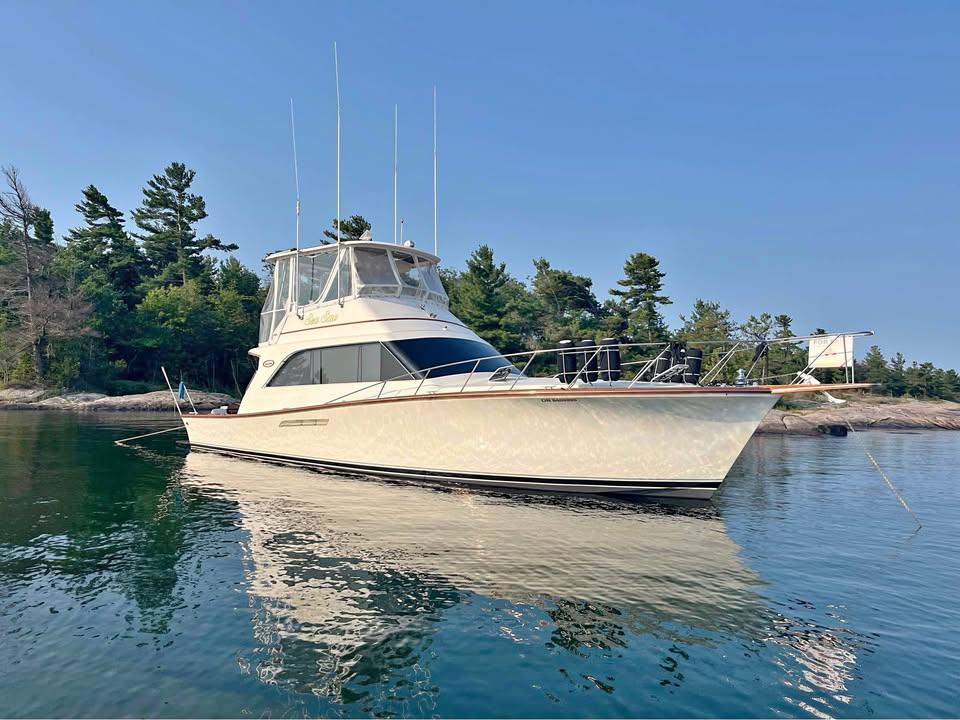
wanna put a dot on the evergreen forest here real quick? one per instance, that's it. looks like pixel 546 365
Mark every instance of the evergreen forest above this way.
pixel 105 304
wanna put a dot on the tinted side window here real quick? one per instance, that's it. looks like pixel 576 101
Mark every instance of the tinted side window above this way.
pixel 370 362
pixel 458 355
pixel 295 371
pixel 390 367
pixel 339 365
pixel 378 363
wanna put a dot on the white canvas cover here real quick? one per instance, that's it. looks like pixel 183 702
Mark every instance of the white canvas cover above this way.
pixel 831 351
pixel 277 300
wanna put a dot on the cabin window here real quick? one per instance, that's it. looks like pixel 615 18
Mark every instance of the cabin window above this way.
pixel 369 362
pixel 297 370
pixel 378 363
pixel 456 355
pixel 338 365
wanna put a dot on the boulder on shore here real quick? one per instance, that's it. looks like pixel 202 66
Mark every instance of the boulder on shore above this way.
pixel 159 400
pixel 896 415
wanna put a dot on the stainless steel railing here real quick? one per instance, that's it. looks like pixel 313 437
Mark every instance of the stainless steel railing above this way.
pixel 646 365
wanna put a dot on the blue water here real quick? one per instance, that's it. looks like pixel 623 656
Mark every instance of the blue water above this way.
pixel 157 582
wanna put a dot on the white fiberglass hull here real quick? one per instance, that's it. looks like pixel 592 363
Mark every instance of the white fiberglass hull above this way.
pixel 666 445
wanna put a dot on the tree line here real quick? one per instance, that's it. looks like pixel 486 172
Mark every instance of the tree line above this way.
pixel 558 305
pixel 105 307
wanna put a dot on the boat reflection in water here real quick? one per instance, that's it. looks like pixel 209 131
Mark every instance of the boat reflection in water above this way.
pixel 351 581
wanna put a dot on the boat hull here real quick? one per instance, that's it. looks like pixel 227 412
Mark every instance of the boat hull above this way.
pixel 665 445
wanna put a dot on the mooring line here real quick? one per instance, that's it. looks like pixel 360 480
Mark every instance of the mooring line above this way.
pixel 884 475
pixel 137 437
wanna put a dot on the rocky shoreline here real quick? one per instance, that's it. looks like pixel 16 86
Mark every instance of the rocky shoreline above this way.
pixel 869 413
pixel 862 413
pixel 158 401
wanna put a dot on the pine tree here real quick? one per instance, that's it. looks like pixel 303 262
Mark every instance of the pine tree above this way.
pixel 923 381
pixel 951 379
pixel 896 378
pixel 236 305
pixel 103 244
pixel 707 321
pixel 451 283
pixel 488 301
pixel 875 369
pixel 350 229
pixel 566 306
pixel 636 305
pixel 784 325
pixel 43 227
pixel 758 328
pixel 167 218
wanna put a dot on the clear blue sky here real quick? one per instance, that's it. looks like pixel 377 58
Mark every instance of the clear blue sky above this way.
pixel 789 157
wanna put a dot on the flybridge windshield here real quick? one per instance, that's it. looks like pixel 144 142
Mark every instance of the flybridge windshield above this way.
pixel 379 271
pixel 458 356
pixel 362 271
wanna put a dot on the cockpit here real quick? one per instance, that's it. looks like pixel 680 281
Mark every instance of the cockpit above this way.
pixel 359 269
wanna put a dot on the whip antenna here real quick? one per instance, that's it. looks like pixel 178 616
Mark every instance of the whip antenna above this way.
pixel 395 167
pixel 436 242
pixel 296 179
pixel 336 68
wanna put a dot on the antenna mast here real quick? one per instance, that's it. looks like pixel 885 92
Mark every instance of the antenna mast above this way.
pixel 435 234
pixel 395 166
pixel 336 66
pixel 296 179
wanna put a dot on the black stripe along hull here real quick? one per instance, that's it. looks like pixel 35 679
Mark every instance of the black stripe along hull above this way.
pixel 680 489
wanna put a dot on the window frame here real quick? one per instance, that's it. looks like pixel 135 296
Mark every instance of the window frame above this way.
pixel 318 371
pixel 283 365
pixel 373 289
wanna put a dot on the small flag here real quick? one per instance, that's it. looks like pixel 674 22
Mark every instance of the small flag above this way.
pixel 182 390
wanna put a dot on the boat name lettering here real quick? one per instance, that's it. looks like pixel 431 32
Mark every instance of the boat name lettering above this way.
pixel 553 400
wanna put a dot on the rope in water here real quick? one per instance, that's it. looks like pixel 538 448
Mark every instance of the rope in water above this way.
pixel 884 475
pixel 137 437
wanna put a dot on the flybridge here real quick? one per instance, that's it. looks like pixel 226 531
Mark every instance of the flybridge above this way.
pixel 353 269
pixel 332 247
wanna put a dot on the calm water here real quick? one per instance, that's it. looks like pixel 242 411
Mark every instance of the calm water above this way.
pixel 158 582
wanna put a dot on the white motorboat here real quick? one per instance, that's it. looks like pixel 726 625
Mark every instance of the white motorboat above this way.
pixel 363 369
